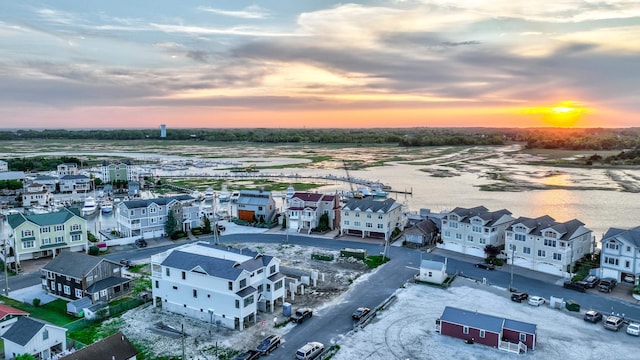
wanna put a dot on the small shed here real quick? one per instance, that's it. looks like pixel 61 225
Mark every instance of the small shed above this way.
pixel 96 311
pixel 432 271
pixel 75 307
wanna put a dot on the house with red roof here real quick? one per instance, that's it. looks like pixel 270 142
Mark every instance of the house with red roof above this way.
pixel 305 210
pixel 8 316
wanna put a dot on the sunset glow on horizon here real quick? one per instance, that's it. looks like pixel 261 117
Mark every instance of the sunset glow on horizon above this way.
pixel 195 64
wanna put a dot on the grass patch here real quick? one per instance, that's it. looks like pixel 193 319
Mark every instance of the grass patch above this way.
pixel 373 261
pixel 54 312
pixel 96 331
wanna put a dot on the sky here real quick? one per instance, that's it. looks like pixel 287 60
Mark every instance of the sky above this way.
pixel 319 63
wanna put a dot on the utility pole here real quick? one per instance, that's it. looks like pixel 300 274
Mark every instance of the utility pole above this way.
pixel 513 258
pixel 182 336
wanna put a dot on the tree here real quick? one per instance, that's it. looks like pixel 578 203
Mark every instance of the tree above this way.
pixel 206 228
pixel 94 250
pixel 171 225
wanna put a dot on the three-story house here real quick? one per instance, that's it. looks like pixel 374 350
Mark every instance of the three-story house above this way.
pixel 147 217
pixel 620 256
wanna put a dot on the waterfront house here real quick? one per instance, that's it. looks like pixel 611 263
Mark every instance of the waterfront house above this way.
pixel 73 276
pixel 43 235
pixel 68 169
pixel 49 182
pixel 4 166
pixel 433 271
pixel 470 230
pixel 620 255
pixel 8 316
pixel 116 171
pixel 75 184
pixel 35 337
pixel 369 218
pixel 498 332
pixel 305 209
pixel 424 233
pixel 212 284
pixel 545 245
pixel 147 217
pixel 256 205
pixel 36 194
pixel 114 347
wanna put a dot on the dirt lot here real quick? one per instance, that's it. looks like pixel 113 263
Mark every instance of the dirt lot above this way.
pixel 202 337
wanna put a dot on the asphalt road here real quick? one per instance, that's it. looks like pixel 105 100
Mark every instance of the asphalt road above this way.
pixel 330 324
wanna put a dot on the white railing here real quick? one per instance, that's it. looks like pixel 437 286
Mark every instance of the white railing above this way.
pixel 518 348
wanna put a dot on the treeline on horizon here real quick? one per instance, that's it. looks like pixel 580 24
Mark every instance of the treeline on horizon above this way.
pixel 535 138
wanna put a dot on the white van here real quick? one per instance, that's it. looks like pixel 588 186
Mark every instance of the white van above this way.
pixel 310 351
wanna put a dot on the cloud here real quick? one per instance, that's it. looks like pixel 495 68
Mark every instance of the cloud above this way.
pixel 250 12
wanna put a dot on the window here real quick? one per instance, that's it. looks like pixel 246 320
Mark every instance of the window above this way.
pixel 469 238
pixel 175 287
pixel 542 253
pixel 153 210
pixel 184 275
pixel 76 237
pixel 75 227
pixel 465 330
pixel 27 233
pixel 458 236
pixel 550 234
pixel 523 337
pixel 260 288
pixel 380 226
pixel 78 293
pixel 231 285
pixel 628 248
pixel 526 250
pixel 195 293
pixel 277 285
pixel 59 227
pixel 268 287
pixel 557 256
pixel 549 242
pixel 131 213
pixel 272 269
pixel 157 284
pixel 167 272
pixel 346 222
pixel 346 213
pixel 44 230
pixel 248 301
pixel 476 228
pixel 28 244
pixel 612 245
pixel 453 225
pixel 144 211
pixel 430 274
pixel 356 223
pixel 357 214
pixel 611 261
pixel 89 278
pixel 627 264
pixel 67 290
pixel 447 234
pixel 45 334
pixel 103 293
pixel 369 225
pixel 380 217
pixel 46 241
pixel 59 239
pixel 482 333
pixel 237 304
pixel 243 283
pixel 519 237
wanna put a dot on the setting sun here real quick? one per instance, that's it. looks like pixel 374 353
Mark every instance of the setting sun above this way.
pixel 565 114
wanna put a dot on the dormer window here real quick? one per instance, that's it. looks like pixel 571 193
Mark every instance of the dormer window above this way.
pixel 550 234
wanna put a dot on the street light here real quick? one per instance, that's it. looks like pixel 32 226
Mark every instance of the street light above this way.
pixel 513 258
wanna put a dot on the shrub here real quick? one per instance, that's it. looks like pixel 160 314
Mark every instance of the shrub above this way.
pixel 36 302
pixel 94 250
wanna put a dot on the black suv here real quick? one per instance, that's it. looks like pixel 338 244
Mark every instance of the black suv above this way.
pixel 141 243
pixel 248 355
pixel 591 281
pixel 519 296
pixel 301 315
pixel 592 316
pixel 574 285
pixel 485 266
pixel 268 344
pixel 606 285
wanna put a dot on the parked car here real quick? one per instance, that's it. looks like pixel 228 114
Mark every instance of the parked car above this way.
pixel 536 300
pixel 574 285
pixel 519 296
pixel 613 323
pixel 607 284
pixel 592 316
pixel 301 315
pixel 360 312
pixel 248 355
pixel 633 329
pixel 591 281
pixel 310 351
pixel 485 266
pixel 268 344
pixel 141 243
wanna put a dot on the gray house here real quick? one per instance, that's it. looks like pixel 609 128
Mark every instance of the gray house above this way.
pixel 75 183
pixel 147 218
pixel 424 233
pixel 35 337
pixel 256 204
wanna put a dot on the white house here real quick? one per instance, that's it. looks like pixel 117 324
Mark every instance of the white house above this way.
pixel 620 256
pixel 49 182
pixel 68 169
pixel 433 271
pixel 36 194
pixel 75 184
pixel 216 285
pixel 545 245
pixel 147 217
pixel 371 218
pixel 35 337
pixel 4 166
pixel 469 231
pixel 305 209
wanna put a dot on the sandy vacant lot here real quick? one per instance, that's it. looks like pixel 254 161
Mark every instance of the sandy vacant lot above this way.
pixel 407 329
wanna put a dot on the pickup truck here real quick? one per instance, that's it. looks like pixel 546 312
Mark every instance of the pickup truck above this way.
pixel 606 285
pixel 301 315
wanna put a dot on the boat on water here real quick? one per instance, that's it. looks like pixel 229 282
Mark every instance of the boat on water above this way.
pixel 234 196
pixel 224 195
pixel 106 206
pixel 89 207
pixel 290 192
pixel 379 192
pixel 208 194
